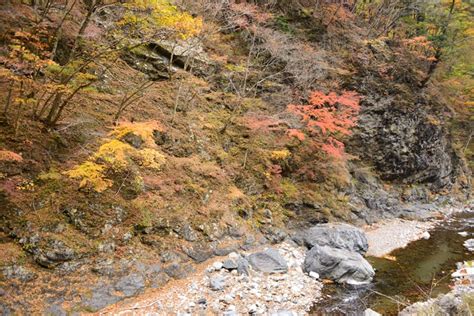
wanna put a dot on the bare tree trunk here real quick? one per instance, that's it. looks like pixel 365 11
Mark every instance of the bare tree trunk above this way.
pixel 9 98
pixel 90 10
pixel 59 29
pixel 54 107
pixel 18 112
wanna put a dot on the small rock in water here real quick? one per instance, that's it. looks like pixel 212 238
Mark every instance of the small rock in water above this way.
pixel 469 244
pixel 426 235
pixel 463 234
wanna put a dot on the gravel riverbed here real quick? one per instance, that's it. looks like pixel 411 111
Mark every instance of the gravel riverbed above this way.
pixel 215 289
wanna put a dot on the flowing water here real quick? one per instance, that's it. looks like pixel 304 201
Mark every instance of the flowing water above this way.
pixel 421 270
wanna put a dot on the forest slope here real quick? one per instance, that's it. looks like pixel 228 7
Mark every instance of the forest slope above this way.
pixel 142 135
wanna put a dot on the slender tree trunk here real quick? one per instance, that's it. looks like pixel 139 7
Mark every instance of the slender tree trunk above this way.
pixel 83 27
pixel 9 98
pixel 54 108
pixel 18 111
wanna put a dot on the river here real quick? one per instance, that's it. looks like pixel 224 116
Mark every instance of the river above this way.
pixel 421 270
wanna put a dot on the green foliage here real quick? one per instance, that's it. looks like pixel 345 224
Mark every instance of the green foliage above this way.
pixel 283 24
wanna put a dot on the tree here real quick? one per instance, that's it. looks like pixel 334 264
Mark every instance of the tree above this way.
pixel 326 118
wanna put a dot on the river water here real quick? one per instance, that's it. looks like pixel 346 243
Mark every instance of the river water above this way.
pixel 421 270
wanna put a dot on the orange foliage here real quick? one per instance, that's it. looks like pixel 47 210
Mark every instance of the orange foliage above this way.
pixel 421 47
pixel 328 115
pixel 6 155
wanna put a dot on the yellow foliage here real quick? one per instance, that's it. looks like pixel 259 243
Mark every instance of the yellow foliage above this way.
pixel 280 155
pixel 115 153
pixel 90 174
pixel 162 14
pixel 144 130
pixel 150 158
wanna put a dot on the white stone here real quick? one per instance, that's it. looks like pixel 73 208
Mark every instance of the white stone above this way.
pixel 426 235
pixel 370 312
pixel 314 275
pixel 217 265
pixel 463 234
pixel 252 309
pixel 234 255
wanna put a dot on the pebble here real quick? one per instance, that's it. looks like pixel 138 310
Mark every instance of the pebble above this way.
pixel 426 235
pixel 217 283
pixel 217 265
pixel 314 275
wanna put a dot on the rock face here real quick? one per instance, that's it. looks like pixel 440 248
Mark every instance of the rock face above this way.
pixel 341 236
pixel 405 145
pixel 155 58
pixel 340 265
pixel 269 261
pixel 400 129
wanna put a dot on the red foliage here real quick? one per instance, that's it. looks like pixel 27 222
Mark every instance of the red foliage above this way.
pixel 328 115
pixel 296 133
pixel 333 148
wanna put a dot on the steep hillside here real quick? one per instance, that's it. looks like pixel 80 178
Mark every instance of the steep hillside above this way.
pixel 140 138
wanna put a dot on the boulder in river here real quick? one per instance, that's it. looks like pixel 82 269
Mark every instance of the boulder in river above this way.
pixel 341 236
pixel 269 261
pixel 340 265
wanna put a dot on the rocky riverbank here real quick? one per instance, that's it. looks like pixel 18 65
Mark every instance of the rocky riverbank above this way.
pixel 460 301
pixel 270 281
pixel 284 279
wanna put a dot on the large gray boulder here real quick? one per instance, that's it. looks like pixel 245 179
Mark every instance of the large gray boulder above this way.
pixel 269 261
pixel 340 265
pixel 341 236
